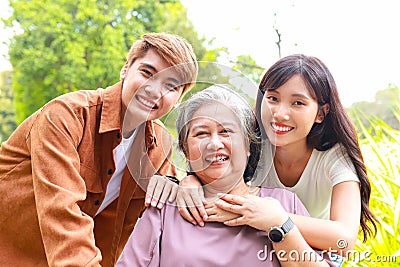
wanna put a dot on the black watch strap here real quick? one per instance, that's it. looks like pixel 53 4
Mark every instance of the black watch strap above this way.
pixel 172 179
pixel 287 226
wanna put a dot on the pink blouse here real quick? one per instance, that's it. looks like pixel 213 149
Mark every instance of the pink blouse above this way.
pixel 164 238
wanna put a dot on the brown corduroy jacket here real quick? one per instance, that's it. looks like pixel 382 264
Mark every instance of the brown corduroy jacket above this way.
pixel 54 171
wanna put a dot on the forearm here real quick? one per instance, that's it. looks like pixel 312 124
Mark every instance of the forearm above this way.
pixel 326 234
pixel 294 251
pixel 67 232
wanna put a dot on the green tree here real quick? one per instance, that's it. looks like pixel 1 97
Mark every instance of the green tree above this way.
pixel 7 120
pixel 83 44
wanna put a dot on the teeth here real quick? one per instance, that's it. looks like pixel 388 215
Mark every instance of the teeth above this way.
pixel 146 102
pixel 281 128
pixel 217 158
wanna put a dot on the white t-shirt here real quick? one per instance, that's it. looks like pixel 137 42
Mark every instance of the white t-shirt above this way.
pixel 324 170
pixel 121 155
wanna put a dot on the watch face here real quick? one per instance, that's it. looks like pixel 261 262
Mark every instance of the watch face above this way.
pixel 275 235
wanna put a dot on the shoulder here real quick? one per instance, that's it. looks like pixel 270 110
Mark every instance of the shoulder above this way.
pixel 337 151
pixel 337 157
pixel 82 98
pixel 73 101
pixel 330 158
pixel 159 125
pixel 156 131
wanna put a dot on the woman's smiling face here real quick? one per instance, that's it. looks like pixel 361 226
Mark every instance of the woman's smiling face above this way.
pixel 289 112
pixel 216 146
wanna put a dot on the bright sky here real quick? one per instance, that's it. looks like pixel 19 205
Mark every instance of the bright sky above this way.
pixel 358 40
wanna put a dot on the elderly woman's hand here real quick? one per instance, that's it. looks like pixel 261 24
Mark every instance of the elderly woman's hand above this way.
pixel 190 200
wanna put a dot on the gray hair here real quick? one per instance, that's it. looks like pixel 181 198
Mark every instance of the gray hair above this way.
pixel 217 93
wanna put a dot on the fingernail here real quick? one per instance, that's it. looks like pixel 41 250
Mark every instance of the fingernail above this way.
pixel 160 205
pixel 194 223
pixel 154 203
pixel 201 224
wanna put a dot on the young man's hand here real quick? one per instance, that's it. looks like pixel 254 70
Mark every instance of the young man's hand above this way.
pixel 160 189
pixel 190 200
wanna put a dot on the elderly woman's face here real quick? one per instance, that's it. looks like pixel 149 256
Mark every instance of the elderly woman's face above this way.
pixel 216 146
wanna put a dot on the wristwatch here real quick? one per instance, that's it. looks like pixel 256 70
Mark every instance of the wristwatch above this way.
pixel 277 233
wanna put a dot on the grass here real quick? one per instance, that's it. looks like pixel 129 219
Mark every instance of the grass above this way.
pixel 381 149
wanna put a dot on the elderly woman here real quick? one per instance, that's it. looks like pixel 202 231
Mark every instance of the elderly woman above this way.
pixel 215 132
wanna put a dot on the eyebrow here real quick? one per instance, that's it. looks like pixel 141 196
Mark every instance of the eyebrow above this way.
pixel 302 96
pixel 203 126
pixel 147 65
pixel 295 95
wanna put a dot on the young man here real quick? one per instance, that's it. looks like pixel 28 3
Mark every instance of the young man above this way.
pixel 70 174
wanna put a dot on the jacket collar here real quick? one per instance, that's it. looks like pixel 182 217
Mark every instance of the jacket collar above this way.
pixel 111 110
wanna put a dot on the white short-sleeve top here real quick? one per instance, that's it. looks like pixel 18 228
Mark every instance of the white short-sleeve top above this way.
pixel 323 171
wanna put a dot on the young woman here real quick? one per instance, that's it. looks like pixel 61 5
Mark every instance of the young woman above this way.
pixel 215 129
pixel 310 147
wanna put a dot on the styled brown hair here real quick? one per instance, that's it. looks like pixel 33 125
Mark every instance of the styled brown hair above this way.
pixel 173 49
pixel 336 126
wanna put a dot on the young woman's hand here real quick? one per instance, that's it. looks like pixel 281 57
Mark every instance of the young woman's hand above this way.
pixel 190 200
pixel 257 212
pixel 160 188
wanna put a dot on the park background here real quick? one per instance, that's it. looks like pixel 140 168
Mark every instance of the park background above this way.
pixel 54 47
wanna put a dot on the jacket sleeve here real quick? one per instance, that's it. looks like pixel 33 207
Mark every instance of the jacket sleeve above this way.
pixel 143 246
pixel 67 232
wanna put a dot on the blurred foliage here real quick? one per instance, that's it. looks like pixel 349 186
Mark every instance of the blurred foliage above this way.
pixel 248 66
pixel 83 45
pixel 383 106
pixel 7 119
pixel 380 145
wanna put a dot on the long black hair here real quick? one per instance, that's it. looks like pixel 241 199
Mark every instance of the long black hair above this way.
pixel 336 126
